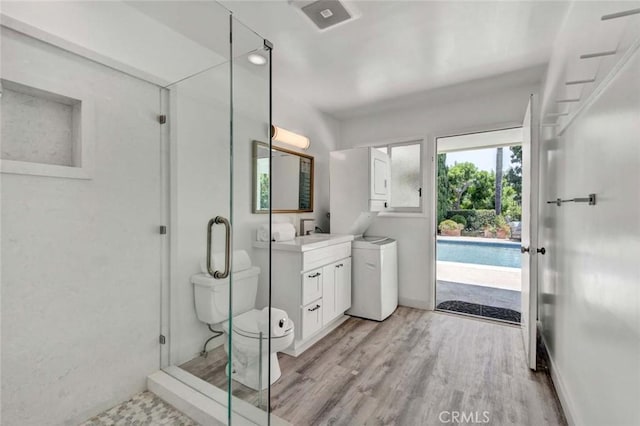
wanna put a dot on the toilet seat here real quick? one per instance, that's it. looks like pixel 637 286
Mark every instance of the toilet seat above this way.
pixel 246 325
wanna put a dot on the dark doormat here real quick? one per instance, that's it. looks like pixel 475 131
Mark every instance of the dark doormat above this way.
pixel 502 314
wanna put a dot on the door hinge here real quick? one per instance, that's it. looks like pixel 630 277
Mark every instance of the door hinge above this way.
pixel 163 230
pixel 162 339
pixel 162 119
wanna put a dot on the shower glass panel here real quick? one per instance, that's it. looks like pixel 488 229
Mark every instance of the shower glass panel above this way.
pixel 250 348
pixel 211 308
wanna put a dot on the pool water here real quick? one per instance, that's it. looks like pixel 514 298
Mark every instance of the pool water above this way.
pixel 480 252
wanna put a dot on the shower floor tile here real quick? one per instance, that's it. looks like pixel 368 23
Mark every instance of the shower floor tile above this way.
pixel 143 409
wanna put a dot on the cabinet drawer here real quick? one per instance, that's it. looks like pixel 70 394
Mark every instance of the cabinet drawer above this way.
pixel 319 257
pixel 311 285
pixel 311 318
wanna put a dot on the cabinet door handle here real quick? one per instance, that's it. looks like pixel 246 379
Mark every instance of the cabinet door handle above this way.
pixel 340 265
pixel 317 274
pixel 315 308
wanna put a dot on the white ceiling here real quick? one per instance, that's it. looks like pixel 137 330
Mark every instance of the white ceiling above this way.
pixel 400 48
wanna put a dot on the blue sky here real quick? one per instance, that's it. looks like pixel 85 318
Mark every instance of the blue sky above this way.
pixel 484 159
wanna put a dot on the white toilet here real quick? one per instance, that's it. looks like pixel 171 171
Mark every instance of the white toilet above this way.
pixel 212 307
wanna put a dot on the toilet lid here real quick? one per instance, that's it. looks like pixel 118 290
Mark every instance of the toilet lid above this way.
pixel 246 324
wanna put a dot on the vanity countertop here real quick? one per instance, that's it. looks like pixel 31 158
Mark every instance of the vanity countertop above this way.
pixel 307 242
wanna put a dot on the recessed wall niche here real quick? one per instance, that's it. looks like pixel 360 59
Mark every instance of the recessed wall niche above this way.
pixel 41 127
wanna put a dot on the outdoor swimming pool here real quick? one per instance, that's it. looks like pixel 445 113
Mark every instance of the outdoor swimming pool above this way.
pixel 480 252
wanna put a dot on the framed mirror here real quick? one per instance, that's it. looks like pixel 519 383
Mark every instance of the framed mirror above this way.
pixel 291 183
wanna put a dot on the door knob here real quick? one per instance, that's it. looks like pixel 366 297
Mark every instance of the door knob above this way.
pixel 542 251
pixel 524 249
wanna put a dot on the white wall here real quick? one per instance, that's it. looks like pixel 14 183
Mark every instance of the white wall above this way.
pixel 322 130
pixel 589 301
pixel 201 185
pixel 113 289
pixel 123 36
pixel 81 258
pixel 496 107
pixel 200 180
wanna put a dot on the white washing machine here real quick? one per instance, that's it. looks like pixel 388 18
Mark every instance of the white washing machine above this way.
pixel 374 285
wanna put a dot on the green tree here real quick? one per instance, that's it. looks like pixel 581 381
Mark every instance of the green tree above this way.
pixel 443 188
pixel 264 191
pixel 481 194
pixel 498 187
pixel 461 177
pixel 514 174
pixel 470 188
pixel 511 207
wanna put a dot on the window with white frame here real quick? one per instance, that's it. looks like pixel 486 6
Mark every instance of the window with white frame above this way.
pixel 406 175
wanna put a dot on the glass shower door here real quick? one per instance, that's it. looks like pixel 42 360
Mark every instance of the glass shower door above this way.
pixel 218 283
pixel 251 121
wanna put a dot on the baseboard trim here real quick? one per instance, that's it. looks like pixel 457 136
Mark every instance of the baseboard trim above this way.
pixel 561 388
pixel 415 303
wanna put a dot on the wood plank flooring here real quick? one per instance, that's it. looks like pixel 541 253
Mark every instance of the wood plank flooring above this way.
pixel 406 370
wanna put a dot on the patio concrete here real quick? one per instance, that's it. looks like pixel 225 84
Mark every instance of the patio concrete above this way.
pixel 482 275
pixel 481 295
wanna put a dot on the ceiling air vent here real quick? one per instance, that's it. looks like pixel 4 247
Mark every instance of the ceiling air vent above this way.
pixel 326 13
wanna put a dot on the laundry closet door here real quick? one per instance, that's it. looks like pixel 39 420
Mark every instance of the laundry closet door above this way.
pixel 380 171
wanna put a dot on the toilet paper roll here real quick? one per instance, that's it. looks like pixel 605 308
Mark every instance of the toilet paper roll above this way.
pixel 279 325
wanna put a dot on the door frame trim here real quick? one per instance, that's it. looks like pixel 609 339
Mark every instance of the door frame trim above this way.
pixel 432 189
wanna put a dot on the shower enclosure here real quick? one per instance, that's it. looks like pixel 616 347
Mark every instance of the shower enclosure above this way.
pixel 213 117
pixel 126 165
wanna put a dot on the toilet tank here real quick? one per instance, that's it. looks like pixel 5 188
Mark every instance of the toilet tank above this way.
pixel 212 295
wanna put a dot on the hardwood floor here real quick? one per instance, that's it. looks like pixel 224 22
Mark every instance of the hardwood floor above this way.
pixel 415 368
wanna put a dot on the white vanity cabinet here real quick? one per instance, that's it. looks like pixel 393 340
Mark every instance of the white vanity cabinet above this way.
pixel 311 281
pixel 336 289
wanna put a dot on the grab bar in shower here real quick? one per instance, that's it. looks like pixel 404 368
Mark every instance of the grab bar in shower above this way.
pixel 227 247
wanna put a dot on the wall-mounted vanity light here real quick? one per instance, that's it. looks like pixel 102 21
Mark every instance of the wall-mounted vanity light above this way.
pixel 288 137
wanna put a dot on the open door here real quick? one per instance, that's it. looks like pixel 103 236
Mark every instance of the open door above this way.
pixel 529 293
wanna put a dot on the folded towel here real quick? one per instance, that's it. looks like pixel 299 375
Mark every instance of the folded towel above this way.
pixel 284 234
pixel 279 232
pixel 280 322
pixel 240 261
